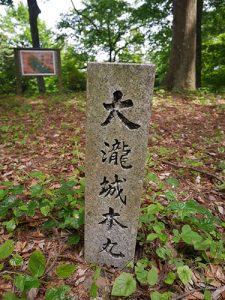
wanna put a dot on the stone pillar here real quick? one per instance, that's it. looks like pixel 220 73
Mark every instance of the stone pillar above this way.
pixel 118 116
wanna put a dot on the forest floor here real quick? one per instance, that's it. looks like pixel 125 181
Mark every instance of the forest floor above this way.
pixel 42 149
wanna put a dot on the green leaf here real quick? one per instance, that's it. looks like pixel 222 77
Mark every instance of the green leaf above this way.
pixel 49 224
pixel 73 239
pixel 221 165
pixel 3 193
pixel 170 278
pixel 23 207
pixel 31 282
pixel 31 206
pixel 74 221
pixel 97 273
pixel 158 296
pixel 94 290
pixel 206 224
pixel 221 186
pixel 153 209
pixel 152 277
pixel 144 262
pixel 36 264
pixel 172 181
pixel 170 195
pixel 151 237
pixel 65 270
pixel 20 282
pixel 155 296
pixel 189 236
pixel 10 296
pixel 45 210
pixel 163 237
pixel 159 227
pixel 207 295
pixel 124 285
pixel 163 252
pixel 141 274
pixel 10 225
pixel 26 282
pixel 57 293
pixel 38 174
pixel 1 266
pixel 6 249
pixel 130 264
pixel 17 190
pixel 203 245
pixel 185 274
pixel 152 177
pixel 16 260
pixel 176 237
pixel 36 190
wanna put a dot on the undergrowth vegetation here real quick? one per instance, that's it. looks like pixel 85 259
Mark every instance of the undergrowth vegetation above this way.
pixel 180 237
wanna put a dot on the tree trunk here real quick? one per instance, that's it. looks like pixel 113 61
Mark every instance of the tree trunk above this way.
pixel 34 11
pixel 199 43
pixel 181 73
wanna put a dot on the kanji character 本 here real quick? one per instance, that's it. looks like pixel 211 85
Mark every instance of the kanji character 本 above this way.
pixel 108 247
pixel 115 109
pixel 117 154
pixel 113 189
pixel 110 219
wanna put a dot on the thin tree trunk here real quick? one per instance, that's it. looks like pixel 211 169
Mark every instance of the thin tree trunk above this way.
pixel 110 55
pixel 34 11
pixel 199 43
pixel 181 72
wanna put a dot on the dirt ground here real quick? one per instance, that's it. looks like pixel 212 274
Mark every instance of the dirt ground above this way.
pixel 186 142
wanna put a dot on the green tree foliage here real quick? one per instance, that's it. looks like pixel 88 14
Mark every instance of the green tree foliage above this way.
pixel 16 26
pixel 156 16
pixel 16 33
pixel 7 77
pixel 113 30
pixel 5 2
pixel 73 70
pixel 154 13
pixel 213 30
pixel 103 26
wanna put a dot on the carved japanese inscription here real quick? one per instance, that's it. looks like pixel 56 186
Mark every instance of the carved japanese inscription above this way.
pixel 116 108
pixel 118 116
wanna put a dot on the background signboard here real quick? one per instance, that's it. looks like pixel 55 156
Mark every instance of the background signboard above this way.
pixel 38 62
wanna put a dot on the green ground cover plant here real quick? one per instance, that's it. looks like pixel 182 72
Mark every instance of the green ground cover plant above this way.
pixel 180 242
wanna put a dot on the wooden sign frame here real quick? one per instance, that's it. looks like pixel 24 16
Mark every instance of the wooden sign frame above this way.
pixel 37 62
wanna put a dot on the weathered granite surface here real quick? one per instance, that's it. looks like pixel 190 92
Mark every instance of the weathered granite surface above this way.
pixel 118 115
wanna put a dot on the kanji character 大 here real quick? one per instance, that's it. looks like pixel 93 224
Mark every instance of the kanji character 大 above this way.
pixel 115 109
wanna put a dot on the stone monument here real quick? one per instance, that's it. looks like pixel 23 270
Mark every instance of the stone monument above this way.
pixel 118 116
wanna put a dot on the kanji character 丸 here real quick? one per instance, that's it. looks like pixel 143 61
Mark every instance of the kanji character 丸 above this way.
pixel 108 247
